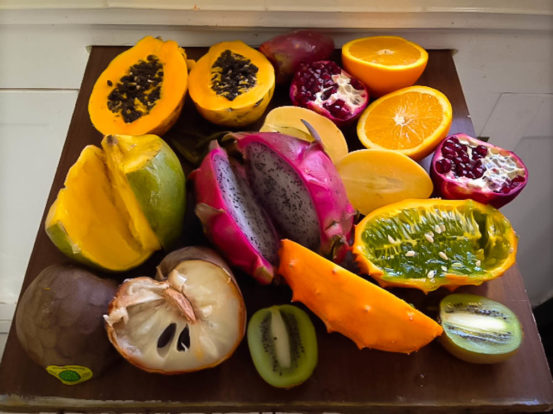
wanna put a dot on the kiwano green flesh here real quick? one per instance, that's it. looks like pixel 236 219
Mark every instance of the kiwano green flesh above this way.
pixel 478 329
pixel 431 243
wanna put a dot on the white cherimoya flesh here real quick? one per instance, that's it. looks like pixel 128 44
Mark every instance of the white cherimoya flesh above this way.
pixel 203 302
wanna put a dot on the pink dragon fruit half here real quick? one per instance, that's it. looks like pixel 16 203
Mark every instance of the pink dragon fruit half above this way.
pixel 298 185
pixel 231 217
pixel 287 184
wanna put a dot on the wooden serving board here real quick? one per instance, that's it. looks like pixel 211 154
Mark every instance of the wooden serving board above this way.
pixel 345 380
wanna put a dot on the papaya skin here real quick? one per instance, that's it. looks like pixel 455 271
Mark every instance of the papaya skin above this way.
pixel 367 314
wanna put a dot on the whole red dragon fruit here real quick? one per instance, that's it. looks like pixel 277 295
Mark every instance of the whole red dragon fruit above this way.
pixel 326 88
pixel 288 50
pixel 289 184
pixel 466 167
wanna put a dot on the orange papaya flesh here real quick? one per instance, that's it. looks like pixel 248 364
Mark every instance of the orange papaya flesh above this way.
pixel 370 316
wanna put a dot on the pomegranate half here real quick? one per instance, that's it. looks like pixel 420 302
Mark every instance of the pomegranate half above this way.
pixel 465 167
pixel 326 88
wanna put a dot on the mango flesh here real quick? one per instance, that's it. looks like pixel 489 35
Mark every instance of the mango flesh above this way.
pixel 120 204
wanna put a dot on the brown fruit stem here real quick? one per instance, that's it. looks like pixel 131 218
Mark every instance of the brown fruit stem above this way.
pixel 179 301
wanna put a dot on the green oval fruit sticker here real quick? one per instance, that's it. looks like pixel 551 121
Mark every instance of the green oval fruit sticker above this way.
pixel 70 374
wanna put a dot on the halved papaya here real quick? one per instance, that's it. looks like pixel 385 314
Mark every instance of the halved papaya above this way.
pixel 232 84
pixel 426 244
pixel 119 204
pixel 142 90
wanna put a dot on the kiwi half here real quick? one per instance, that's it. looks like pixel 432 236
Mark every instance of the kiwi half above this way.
pixel 283 345
pixel 478 329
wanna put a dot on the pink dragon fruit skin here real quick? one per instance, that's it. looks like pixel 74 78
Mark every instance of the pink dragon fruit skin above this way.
pixel 223 200
pixel 323 220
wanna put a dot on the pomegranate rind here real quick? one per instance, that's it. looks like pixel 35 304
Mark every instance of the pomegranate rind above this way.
pixel 411 225
pixel 454 188
pixel 321 179
pixel 220 226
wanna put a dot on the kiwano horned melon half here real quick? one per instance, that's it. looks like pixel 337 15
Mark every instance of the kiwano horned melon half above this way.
pixel 120 203
pixel 367 314
pixel 141 91
pixel 429 243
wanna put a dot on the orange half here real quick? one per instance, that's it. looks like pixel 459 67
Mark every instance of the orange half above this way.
pixel 384 63
pixel 412 120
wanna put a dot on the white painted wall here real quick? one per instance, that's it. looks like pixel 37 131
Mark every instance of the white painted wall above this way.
pixel 504 58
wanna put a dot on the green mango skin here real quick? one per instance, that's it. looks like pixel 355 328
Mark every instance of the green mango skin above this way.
pixel 164 206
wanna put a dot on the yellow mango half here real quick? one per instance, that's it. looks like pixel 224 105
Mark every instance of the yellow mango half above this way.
pixel 119 204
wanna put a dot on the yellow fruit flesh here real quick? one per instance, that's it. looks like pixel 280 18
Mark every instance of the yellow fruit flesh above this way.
pixel 100 227
pixel 125 154
pixel 288 120
pixel 386 51
pixel 374 178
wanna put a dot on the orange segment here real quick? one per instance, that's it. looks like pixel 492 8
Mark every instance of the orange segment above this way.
pixel 412 120
pixel 384 63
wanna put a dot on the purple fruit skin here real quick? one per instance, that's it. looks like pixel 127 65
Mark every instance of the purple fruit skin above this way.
pixel 220 226
pixel 319 175
pixel 288 50
pixel 452 189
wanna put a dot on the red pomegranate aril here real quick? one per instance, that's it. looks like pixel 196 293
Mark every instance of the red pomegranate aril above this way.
pixel 443 165
pixel 327 89
pixel 448 152
pixel 357 84
pixel 454 140
pixel 481 150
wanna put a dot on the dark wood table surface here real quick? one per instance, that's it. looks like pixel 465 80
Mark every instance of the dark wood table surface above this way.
pixel 345 380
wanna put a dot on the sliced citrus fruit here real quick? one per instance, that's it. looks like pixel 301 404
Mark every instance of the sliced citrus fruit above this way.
pixel 384 63
pixel 427 244
pixel 412 120
pixel 374 178
pixel 289 120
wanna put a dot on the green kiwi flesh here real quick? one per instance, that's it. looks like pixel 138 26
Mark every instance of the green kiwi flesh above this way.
pixel 478 329
pixel 283 345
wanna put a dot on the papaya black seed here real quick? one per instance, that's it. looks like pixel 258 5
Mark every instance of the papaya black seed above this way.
pixel 142 83
pixel 232 75
pixel 166 335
